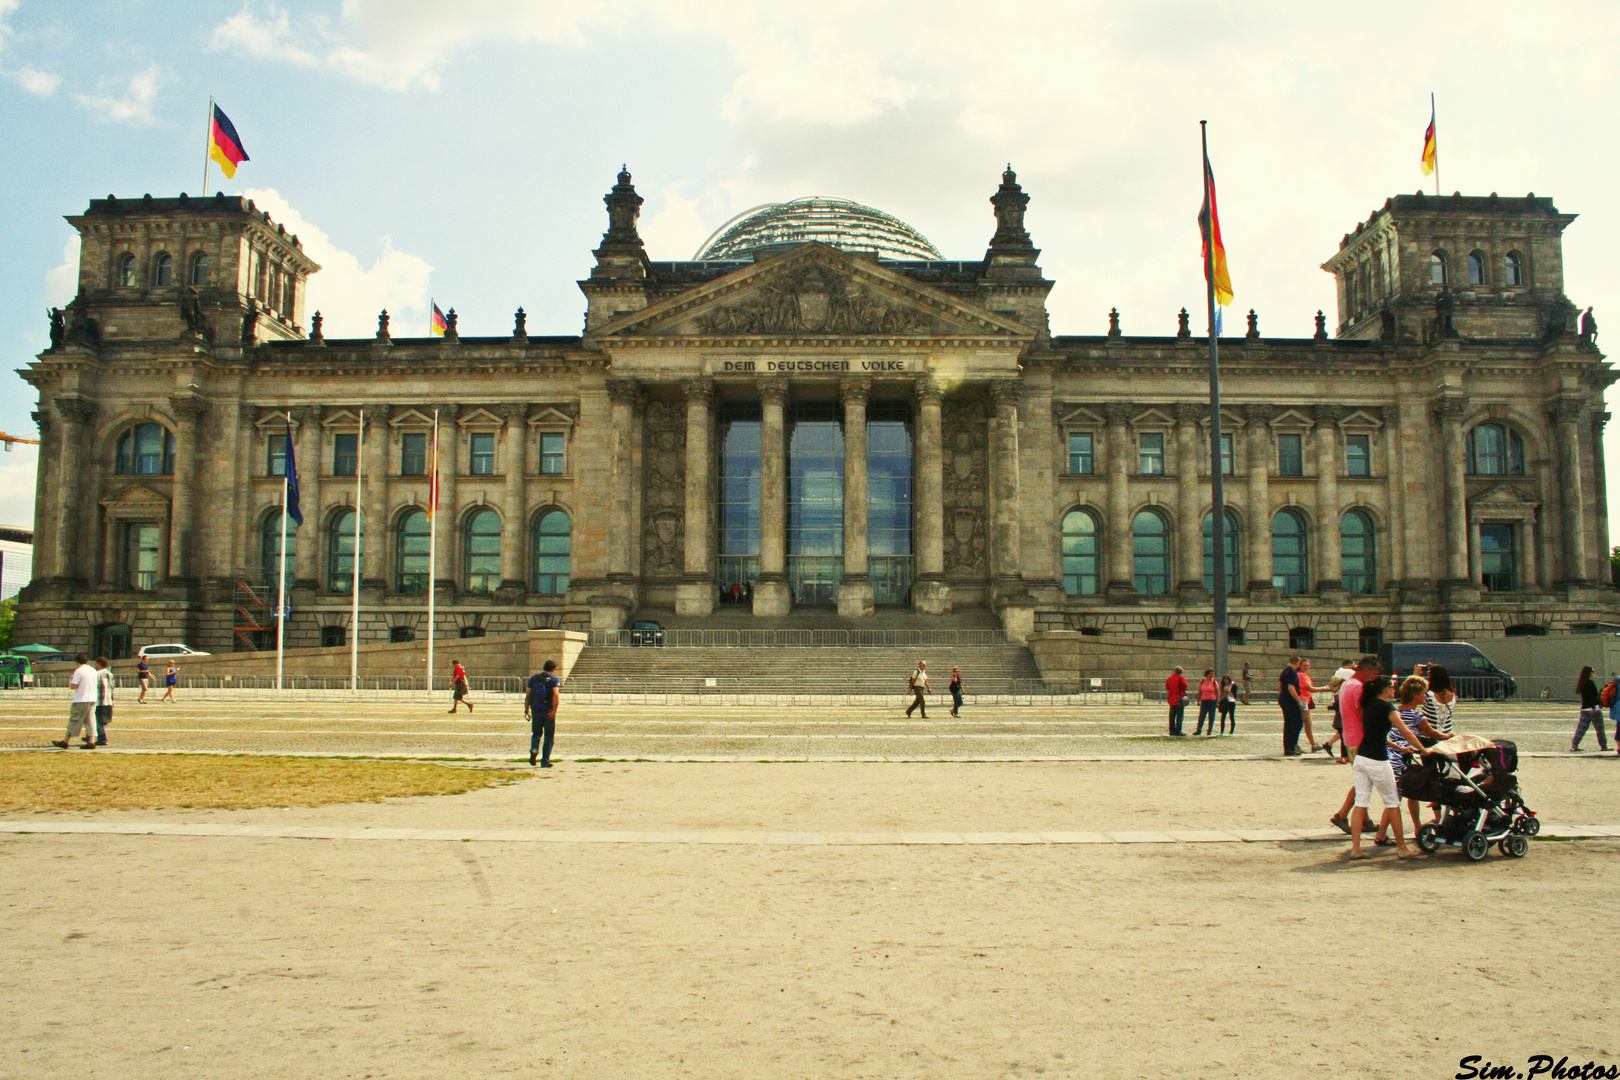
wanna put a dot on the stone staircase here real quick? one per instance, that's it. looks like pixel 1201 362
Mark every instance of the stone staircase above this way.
pixel 988 665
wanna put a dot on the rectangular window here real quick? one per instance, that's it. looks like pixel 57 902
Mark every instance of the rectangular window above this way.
pixel 1081 461
pixel 1151 446
pixel 552 459
pixel 413 454
pixel 1290 455
pixel 345 454
pixel 483 453
pixel 1228 460
pixel 277 465
pixel 141 555
pixel 1499 561
pixel 1358 455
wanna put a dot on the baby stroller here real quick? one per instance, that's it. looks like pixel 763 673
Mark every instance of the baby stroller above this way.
pixel 1476 785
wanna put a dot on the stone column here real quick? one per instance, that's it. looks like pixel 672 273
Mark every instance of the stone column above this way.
pixel 1529 571
pixel 855 597
pixel 514 509
pixel 188 414
pixel 1329 547
pixel 1257 418
pixel 309 452
pixel 1476 554
pixel 929 593
pixel 71 492
pixel 45 488
pixel 1567 414
pixel 771 593
pixel 1189 511
pixel 244 553
pixel 624 395
pixel 1004 530
pixel 695 594
pixel 1450 410
pixel 446 520
pixel 1121 567
pixel 374 530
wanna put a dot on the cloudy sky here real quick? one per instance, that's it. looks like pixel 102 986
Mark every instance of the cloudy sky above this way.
pixel 460 150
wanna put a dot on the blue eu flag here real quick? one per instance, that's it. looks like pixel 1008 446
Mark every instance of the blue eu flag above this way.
pixel 292 479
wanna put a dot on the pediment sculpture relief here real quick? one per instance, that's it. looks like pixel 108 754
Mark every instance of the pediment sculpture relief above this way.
pixel 817 300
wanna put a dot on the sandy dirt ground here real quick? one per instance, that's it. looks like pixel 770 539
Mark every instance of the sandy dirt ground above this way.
pixel 168 956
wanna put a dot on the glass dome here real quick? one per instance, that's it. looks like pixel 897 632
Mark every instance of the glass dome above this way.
pixel 837 222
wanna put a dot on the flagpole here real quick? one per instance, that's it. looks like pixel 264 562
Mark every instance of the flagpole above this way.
pixel 1217 488
pixel 208 142
pixel 354 590
pixel 281 573
pixel 433 546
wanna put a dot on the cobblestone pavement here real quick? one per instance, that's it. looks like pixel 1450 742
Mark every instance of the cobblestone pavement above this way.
pixel 687 732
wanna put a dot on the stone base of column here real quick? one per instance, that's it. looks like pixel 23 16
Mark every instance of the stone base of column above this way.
pixel 1018 620
pixel 772 597
pixel 1586 592
pixel 1192 592
pixel 1263 592
pixel 1332 592
pixel 512 592
pixel 1459 591
pixel 931 596
pixel 695 595
pixel 1123 592
pixel 855 597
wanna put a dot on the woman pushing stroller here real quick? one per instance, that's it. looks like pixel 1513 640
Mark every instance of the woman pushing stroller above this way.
pixel 1373 769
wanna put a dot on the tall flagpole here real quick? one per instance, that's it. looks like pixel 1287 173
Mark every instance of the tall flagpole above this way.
pixel 208 143
pixel 354 590
pixel 281 570
pixel 433 546
pixel 1217 487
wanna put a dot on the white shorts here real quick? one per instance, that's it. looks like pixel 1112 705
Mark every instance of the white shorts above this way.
pixel 1378 774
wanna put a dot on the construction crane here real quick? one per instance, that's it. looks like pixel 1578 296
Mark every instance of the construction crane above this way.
pixel 9 439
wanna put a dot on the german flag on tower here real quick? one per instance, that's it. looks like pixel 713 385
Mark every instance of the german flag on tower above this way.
pixel 1209 222
pixel 1430 149
pixel 224 145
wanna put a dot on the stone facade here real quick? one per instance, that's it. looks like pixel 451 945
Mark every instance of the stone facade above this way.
pixel 1435 470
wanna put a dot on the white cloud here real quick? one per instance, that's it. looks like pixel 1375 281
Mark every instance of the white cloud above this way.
pixel 62 282
pixel 17 471
pixel 41 83
pixel 347 293
pixel 266 39
pixel 134 106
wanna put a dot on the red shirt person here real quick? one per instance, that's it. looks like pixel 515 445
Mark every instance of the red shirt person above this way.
pixel 1175 692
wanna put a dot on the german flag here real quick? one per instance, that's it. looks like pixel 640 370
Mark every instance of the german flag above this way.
pixel 1429 146
pixel 224 144
pixel 1209 222
pixel 438 325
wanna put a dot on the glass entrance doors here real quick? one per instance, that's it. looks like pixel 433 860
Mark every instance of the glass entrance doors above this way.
pixel 888 503
pixel 815 532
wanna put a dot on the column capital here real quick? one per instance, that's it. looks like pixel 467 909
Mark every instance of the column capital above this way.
pixel 699 390
pixel 188 407
pixel 1601 420
pixel 247 414
pixel 856 391
pixel 1189 413
pixel 1118 413
pixel 1259 414
pixel 74 409
pixel 624 391
pixel 1328 415
pixel 773 391
pixel 1451 407
pixel 514 412
pixel 928 391
pixel 1005 392
pixel 1566 410
pixel 306 415
pixel 382 413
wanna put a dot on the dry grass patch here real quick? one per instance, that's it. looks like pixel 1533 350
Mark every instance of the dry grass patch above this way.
pixel 80 781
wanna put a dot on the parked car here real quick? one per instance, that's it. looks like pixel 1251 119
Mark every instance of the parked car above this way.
pixel 646 632
pixel 1472 671
pixel 157 652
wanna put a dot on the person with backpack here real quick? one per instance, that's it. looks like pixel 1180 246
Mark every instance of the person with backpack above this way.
pixel 1611 698
pixel 918 687
pixel 1591 712
pixel 540 708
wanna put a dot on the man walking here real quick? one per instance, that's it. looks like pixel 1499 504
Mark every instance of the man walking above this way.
pixel 919 687
pixel 1293 706
pixel 143 675
pixel 1350 694
pixel 104 698
pixel 458 686
pixel 540 704
pixel 80 714
pixel 1248 680
pixel 1175 691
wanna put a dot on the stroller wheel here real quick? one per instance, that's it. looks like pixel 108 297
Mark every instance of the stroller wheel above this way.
pixel 1427 841
pixel 1527 825
pixel 1515 846
pixel 1475 845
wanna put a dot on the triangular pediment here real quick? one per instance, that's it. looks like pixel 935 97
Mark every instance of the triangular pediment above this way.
pixel 135 497
pixel 479 417
pixel 275 422
pixel 550 417
pixel 411 418
pixel 814 290
pixel 341 418
pixel 1077 415
pixel 1152 417
pixel 1361 418
pixel 1504 496
pixel 1290 418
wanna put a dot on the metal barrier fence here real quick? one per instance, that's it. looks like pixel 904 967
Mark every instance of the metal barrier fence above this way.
pixel 808 638
pixel 293 687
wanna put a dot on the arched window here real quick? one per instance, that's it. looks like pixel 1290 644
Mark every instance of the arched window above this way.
pixel 1476 268
pixel 125 271
pixel 483 552
pixel 1150 546
pixel 162 269
pixel 198 274
pixel 1230 548
pixel 472 631
pixel 1513 269
pixel 146 450
pixel 411 541
pixel 551 546
pixel 1437 268
pixel 272 554
pixel 340 549
pixel 1080 577
pixel 1495 450
pixel 1360 558
pixel 1290 565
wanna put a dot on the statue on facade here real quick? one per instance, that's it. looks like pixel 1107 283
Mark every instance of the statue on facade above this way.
pixel 450 331
pixel 316 337
pixel 81 328
pixel 1588 328
pixel 1444 310
pixel 250 324
pixel 197 324
pixel 1386 325
pixel 58 328
pixel 382 326
pixel 520 325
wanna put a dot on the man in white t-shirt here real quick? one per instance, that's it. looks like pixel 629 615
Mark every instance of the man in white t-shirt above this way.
pixel 81 714
pixel 919 687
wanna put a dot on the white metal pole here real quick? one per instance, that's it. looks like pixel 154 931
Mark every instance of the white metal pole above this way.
pixel 208 143
pixel 433 546
pixel 281 573
pixel 354 590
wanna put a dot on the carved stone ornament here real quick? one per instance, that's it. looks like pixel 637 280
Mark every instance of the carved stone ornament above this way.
pixel 189 407
pixel 664 489
pixel 1117 413
pixel 1188 413
pixel 773 391
pixel 514 412
pixel 1328 414
pixel 965 481
pixel 1259 414
pixel 75 410
pixel 1451 408
pixel 813 299
pixel 623 391
pixel 699 390
pixel 928 391
pixel 1005 392
pixel 855 391
pixel 1566 410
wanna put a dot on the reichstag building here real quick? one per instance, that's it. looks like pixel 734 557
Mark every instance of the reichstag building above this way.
pixel 820 410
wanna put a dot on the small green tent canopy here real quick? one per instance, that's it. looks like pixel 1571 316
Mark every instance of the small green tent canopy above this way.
pixel 36 649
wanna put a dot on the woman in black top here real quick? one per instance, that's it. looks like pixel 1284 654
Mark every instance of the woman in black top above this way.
pixel 1591 710
pixel 956 689
pixel 1372 767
